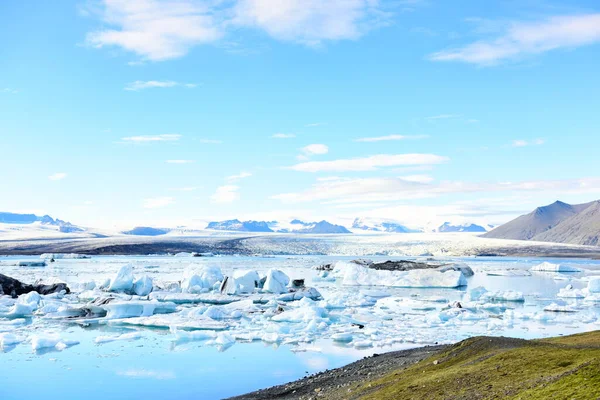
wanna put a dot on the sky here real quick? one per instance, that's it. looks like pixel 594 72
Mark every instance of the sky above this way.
pixel 166 113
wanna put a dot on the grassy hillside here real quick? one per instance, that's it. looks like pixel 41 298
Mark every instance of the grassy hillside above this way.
pixel 495 368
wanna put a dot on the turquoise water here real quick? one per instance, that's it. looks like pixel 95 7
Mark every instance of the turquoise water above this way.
pixel 158 367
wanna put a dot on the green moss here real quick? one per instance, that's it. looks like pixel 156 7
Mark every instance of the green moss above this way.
pixel 498 368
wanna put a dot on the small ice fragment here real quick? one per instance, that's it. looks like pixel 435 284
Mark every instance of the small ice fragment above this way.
pixel 594 284
pixel 558 308
pixel 8 339
pixel 342 337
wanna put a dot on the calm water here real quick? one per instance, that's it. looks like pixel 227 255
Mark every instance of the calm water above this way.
pixel 157 367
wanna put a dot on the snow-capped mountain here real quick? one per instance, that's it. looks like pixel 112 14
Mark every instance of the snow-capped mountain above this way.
pixel 447 227
pixel 146 231
pixel 236 225
pixel 373 225
pixel 28 219
pixel 294 226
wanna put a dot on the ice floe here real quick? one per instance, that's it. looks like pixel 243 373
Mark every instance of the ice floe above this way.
pixel 550 267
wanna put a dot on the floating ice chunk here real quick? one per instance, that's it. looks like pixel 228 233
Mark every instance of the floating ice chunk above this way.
pixel 114 338
pixel 229 286
pixel 558 308
pixel 20 310
pixel 310 293
pixel 140 308
pixel 507 272
pixel 31 264
pixel 570 292
pixel 508 295
pixel 358 275
pixel 40 342
pixel 175 321
pixel 31 299
pixel 123 280
pixel 183 336
pixel 304 313
pixel 143 286
pixel 224 339
pixel 202 280
pixel 462 267
pixel 8 339
pixel 247 281
pixel 276 282
pixel 183 254
pixel 594 284
pixel 362 344
pixel 344 337
pixel 58 256
pixel 549 267
pixel 271 338
pixel 222 312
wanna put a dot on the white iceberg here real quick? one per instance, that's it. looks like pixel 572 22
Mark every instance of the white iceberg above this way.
pixel 550 267
pixel 594 284
pixel 143 286
pixel 357 275
pixel 123 280
pixel 40 342
pixel 276 282
pixel 247 281
pixel 139 308
pixel 508 295
pixel 8 339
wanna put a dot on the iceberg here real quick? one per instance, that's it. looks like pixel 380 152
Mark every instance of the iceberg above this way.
pixel 8 339
pixel 247 281
pixel 40 342
pixel 357 275
pixel 276 282
pixel 570 292
pixel 549 267
pixel 133 308
pixel 508 295
pixel 123 280
pixel 594 284
pixel 143 286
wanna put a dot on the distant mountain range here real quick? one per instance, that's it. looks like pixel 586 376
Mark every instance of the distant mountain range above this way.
pixel 372 225
pixel 558 222
pixel 448 227
pixel 295 226
pixel 26 219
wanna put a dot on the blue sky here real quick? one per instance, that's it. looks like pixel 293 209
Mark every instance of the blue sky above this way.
pixel 174 112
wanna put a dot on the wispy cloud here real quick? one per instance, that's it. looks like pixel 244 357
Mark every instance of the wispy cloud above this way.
pixel 226 194
pixel 528 38
pixel 180 161
pixel 185 189
pixel 315 149
pixel 310 22
pixel 525 143
pixel 370 163
pixel 239 176
pixel 283 136
pixel 170 137
pixel 57 176
pixel 141 85
pixel 162 30
pixel 158 202
pixel 156 30
pixel 390 137
pixel 9 90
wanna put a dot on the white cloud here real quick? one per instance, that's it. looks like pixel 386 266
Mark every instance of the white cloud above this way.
pixel 283 136
pixel 185 189
pixel 9 90
pixel 527 38
pixel 310 22
pixel 390 137
pixel 524 143
pixel 141 85
pixel 417 178
pixel 314 149
pixel 57 176
pixel 180 161
pixel 239 176
pixel 156 30
pixel 377 190
pixel 226 194
pixel 315 124
pixel 158 202
pixel 159 30
pixel 152 138
pixel 370 163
